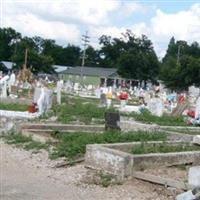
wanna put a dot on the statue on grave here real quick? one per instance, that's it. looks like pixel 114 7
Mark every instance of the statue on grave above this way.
pixel 25 75
pixel 41 101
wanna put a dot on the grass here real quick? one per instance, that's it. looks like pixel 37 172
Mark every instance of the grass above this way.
pixel 24 142
pixel 163 148
pixel 165 120
pixel 184 130
pixel 105 178
pixel 73 109
pixel 13 107
pixel 73 145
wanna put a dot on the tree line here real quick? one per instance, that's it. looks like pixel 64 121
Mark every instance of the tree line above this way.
pixel 134 57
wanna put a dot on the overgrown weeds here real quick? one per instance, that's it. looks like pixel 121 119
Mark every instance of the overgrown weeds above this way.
pixel 13 107
pixel 73 109
pixel 165 120
pixel 73 145
pixel 23 141
pixel 145 148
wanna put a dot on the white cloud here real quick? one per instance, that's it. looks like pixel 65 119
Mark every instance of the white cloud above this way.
pixel 131 7
pixel 63 20
pixel 79 11
pixel 31 25
pixel 179 24
pixel 183 25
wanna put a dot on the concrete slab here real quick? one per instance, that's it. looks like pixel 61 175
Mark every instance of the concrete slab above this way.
pixel 18 114
pixel 186 196
pixel 111 158
pixel 196 139
pixel 194 176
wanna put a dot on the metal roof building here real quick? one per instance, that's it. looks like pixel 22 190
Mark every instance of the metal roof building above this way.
pixel 91 71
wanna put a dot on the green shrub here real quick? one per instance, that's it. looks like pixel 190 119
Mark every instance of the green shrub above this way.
pixel 145 148
pixel 165 120
pixel 73 145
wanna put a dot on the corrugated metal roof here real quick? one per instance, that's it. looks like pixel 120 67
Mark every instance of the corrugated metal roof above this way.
pixel 91 71
pixel 7 64
pixel 60 68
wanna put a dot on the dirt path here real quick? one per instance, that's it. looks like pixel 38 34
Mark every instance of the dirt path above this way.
pixel 28 176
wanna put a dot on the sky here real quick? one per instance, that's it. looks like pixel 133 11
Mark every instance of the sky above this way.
pixel 66 21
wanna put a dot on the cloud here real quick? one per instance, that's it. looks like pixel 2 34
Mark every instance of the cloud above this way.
pixel 79 11
pixel 131 7
pixel 64 20
pixel 31 25
pixel 183 25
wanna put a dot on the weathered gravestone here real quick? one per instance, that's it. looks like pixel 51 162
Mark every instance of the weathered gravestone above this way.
pixel 112 120
pixel 194 176
pixel 43 97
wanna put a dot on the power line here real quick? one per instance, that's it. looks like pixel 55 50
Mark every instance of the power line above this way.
pixel 85 39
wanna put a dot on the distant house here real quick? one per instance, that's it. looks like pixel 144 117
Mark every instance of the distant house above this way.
pixel 6 66
pixel 88 75
pixel 60 68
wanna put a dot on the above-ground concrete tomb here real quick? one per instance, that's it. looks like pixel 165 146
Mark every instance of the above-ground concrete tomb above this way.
pixel 116 159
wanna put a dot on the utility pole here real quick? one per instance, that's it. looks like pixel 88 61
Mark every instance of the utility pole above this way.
pixel 178 54
pixel 85 39
pixel 25 59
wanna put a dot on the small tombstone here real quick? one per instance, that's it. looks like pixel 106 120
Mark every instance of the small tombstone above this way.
pixel 197 109
pixel 58 88
pixel 98 93
pixel 76 86
pixel 196 139
pixel 194 176
pixel 194 91
pixel 112 120
pixel 155 106
pixel 43 97
pixel 103 99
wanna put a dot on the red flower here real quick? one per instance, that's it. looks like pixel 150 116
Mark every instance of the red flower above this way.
pixel 123 96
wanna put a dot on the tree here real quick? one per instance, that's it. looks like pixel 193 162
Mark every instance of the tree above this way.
pixel 92 57
pixel 69 55
pixel 109 52
pixel 180 67
pixel 38 62
pixel 8 38
pixel 137 59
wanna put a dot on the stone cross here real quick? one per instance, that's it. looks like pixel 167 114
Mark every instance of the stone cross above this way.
pixel 58 88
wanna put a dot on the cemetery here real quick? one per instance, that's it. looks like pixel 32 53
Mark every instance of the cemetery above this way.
pixel 127 132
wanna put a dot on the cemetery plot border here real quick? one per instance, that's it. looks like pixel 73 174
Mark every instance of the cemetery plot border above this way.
pixel 114 159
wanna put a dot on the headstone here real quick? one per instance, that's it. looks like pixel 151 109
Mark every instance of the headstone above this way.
pixel 89 87
pixel 43 97
pixel 186 196
pixel 76 86
pixel 197 109
pixel 193 194
pixel 3 84
pixel 194 91
pixel 103 99
pixel 41 102
pixel 194 176
pixel 58 90
pixel 196 139
pixel 12 81
pixel 98 93
pixel 155 106
pixel 109 97
pixel 112 120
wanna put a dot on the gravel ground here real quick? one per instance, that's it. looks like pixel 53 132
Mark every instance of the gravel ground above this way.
pixel 29 176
